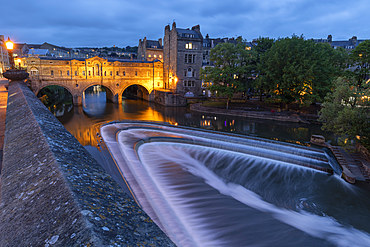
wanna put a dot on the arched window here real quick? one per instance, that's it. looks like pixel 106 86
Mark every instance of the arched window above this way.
pixel 97 69
pixel 190 72
pixel 35 71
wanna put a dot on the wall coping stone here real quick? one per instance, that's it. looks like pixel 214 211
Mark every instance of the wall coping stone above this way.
pixel 54 193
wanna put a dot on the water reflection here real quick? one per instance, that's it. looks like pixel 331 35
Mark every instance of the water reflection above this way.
pixel 83 122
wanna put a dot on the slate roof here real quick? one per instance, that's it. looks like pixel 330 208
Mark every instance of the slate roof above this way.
pixel 41 52
pixel 33 46
pixel 153 44
pixel 183 32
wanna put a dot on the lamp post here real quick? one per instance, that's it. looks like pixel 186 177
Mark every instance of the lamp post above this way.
pixel 13 74
pixel 10 46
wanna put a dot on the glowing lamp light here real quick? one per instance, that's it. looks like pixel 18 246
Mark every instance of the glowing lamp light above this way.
pixel 9 45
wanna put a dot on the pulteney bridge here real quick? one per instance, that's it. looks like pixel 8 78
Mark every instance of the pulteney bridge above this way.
pixel 76 75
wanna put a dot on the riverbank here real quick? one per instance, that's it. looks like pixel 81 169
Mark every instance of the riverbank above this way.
pixel 248 112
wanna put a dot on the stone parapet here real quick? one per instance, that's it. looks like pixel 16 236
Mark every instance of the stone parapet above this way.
pixel 54 193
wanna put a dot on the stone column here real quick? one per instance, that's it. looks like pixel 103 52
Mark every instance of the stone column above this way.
pixel 77 100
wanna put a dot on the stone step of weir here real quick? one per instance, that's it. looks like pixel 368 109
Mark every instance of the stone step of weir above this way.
pixel 351 164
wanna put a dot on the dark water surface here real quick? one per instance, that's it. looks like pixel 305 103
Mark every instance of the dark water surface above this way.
pixel 83 122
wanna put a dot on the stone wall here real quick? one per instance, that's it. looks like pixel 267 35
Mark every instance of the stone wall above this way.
pixel 54 193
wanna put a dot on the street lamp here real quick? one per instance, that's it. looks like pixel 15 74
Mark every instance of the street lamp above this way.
pixel 13 74
pixel 10 46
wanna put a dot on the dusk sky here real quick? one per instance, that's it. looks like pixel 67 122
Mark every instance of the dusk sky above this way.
pixel 121 22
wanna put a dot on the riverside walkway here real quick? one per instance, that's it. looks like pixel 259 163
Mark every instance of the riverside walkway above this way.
pixel 3 101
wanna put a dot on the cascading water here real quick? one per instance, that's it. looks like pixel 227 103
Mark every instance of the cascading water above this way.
pixel 209 189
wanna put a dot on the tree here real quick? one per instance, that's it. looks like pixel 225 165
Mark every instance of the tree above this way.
pixel 346 111
pixel 262 46
pixel 298 70
pixel 360 57
pixel 231 71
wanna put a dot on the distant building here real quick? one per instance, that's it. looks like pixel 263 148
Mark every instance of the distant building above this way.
pixel 4 56
pixel 350 44
pixel 38 53
pixel 150 50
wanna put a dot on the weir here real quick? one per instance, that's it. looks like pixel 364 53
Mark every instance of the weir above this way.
pixel 210 189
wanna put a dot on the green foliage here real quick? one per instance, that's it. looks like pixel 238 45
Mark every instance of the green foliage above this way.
pixel 360 58
pixel 346 111
pixel 298 70
pixel 263 45
pixel 232 69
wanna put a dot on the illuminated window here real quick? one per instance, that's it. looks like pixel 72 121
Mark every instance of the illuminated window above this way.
pixel 148 73
pixel 89 73
pixel 124 73
pixel 189 46
pixel 135 73
pixel 68 72
pixel 76 73
pixel 52 72
pixel 149 55
pixel 160 56
pixel 111 73
pixel 117 72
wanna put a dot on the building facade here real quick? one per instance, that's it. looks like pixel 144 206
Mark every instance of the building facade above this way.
pixel 150 50
pixel 4 56
pixel 182 60
pixel 348 45
pixel 76 75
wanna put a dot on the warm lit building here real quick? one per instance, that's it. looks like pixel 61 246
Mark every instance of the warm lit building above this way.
pixel 150 50
pixel 4 56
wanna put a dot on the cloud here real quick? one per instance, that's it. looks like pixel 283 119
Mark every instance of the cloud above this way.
pixel 122 22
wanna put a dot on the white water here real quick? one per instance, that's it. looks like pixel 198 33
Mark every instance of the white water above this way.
pixel 221 191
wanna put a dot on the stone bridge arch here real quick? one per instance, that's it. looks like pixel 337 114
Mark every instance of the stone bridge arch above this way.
pixel 55 84
pixel 143 91
pixel 110 92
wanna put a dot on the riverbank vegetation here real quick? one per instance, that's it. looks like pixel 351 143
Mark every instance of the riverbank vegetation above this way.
pixel 294 71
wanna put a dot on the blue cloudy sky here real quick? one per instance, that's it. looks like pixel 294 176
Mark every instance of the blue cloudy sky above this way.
pixel 74 23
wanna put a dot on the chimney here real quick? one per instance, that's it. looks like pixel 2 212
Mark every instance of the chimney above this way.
pixel 353 40
pixel 160 42
pixel 174 25
pixel 330 38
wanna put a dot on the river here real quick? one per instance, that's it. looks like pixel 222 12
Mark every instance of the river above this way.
pixel 83 121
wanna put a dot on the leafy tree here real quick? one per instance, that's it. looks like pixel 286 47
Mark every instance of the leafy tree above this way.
pixel 360 57
pixel 262 46
pixel 346 111
pixel 231 71
pixel 298 70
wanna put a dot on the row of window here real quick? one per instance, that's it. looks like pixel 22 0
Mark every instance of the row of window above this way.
pixel 189 83
pixel 97 73
pixel 155 56
pixel 189 58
